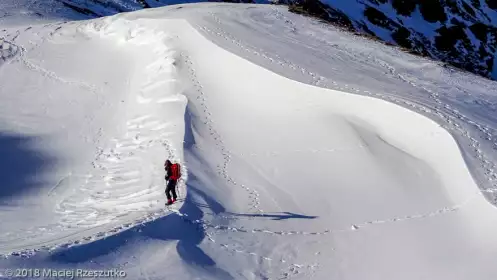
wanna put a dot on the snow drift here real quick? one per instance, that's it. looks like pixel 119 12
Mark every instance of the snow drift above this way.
pixel 284 179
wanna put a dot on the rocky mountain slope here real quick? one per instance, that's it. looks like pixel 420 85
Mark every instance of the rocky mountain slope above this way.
pixel 460 32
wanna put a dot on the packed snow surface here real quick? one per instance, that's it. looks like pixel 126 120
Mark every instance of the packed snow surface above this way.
pixel 307 152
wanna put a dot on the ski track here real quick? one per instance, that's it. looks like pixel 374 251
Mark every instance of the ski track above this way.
pixel 10 50
pixel 52 75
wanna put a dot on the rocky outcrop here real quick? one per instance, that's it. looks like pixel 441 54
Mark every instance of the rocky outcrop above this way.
pixel 459 32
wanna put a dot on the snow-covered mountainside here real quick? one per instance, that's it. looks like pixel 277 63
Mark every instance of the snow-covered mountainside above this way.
pixel 460 32
pixel 307 152
pixel 110 7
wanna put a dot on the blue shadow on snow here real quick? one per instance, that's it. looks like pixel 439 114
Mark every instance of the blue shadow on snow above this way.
pixel 21 165
pixel 275 216
pixel 187 228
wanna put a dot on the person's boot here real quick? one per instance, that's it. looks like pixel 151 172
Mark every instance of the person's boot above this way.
pixel 169 202
pixel 174 200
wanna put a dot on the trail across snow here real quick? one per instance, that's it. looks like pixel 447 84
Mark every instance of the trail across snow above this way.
pixel 294 165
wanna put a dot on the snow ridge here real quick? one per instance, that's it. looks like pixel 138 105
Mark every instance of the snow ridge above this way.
pixel 385 190
pixel 223 167
pixel 123 188
pixel 121 164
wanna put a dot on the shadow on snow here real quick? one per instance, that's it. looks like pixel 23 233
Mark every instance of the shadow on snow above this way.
pixel 21 166
pixel 186 228
pixel 275 216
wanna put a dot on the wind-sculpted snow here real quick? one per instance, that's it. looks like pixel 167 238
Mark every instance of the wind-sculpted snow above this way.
pixel 87 198
pixel 299 162
pixel 122 163
pixel 450 97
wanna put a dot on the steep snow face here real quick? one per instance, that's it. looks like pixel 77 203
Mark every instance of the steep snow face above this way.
pixel 295 164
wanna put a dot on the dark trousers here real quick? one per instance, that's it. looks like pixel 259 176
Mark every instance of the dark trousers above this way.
pixel 171 188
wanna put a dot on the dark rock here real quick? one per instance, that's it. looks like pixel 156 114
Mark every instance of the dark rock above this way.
pixel 432 11
pixel 492 4
pixel 378 18
pixel 404 7
pixel 401 37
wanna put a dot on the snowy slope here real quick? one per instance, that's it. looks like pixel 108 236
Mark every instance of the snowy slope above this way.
pixel 111 7
pixel 462 33
pixel 296 165
pixel 19 12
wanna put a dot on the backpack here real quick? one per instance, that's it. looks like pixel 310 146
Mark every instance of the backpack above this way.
pixel 175 171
